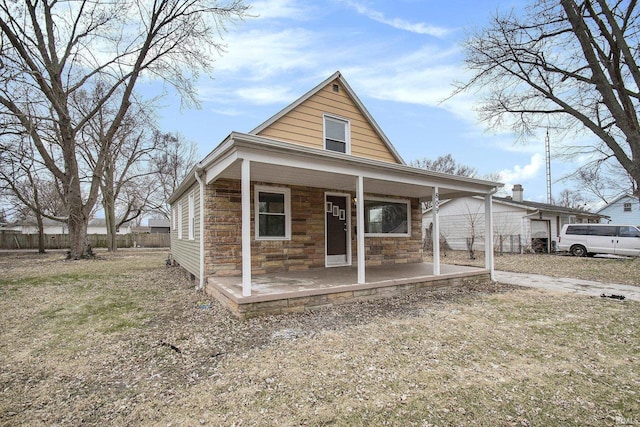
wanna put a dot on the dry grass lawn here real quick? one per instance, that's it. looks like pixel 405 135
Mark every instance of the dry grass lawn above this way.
pixel 600 269
pixel 124 340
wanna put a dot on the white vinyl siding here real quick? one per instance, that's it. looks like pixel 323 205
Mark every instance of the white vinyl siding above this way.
pixel 625 210
pixel 185 247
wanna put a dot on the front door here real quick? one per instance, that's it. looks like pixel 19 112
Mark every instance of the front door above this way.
pixel 337 215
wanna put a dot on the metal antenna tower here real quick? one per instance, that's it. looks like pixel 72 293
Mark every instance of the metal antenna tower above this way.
pixel 547 150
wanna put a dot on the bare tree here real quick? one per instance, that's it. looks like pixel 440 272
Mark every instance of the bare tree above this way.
pixel 571 199
pixel 52 50
pixel 605 181
pixel 29 185
pixel 445 164
pixel 124 192
pixel 173 159
pixel 566 64
pixel 472 218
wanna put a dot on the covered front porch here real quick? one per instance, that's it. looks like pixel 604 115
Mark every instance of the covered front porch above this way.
pixel 299 291
pixel 254 162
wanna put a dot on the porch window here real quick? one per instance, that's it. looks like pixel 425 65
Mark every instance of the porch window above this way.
pixel 336 134
pixel 387 217
pixel 273 213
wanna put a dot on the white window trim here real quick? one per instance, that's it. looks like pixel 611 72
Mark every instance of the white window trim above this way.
pixel 174 218
pixel 399 201
pixel 287 210
pixel 192 217
pixel 180 219
pixel 347 131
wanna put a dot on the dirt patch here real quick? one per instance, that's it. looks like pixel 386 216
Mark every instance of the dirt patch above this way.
pixel 124 340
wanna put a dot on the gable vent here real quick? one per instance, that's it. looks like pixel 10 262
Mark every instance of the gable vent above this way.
pixel 336 88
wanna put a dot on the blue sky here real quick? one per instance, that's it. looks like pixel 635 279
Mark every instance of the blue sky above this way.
pixel 400 57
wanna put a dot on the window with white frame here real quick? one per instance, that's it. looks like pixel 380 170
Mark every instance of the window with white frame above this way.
pixel 174 218
pixel 336 134
pixel 192 217
pixel 272 213
pixel 627 207
pixel 387 217
pixel 180 220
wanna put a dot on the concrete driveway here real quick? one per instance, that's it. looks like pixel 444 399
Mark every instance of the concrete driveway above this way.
pixel 575 286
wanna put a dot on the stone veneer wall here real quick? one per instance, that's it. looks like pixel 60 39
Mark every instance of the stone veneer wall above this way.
pixel 223 228
pixel 223 234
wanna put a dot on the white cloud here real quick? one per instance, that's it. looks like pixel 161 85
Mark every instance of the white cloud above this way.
pixel 231 112
pixel 266 95
pixel 400 24
pixel 518 174
pixel 275 9
pixel 257 54
pixel 421 77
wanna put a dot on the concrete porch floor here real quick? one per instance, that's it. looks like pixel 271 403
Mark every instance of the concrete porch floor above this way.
pixel 301 290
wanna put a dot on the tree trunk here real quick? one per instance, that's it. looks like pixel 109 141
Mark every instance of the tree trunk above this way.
pixel 110 221
pixel 78 220
pixel 109 204
pixel 40 232
pixel 78 245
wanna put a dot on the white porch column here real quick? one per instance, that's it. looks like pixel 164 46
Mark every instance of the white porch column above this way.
pixel 246 227
pixel 360 228
pixel 436 231
pixel 488 235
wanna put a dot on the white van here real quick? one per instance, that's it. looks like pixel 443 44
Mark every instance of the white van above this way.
pixel 591 239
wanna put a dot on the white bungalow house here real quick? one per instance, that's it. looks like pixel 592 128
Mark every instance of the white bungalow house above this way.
pixel 95 226
pixel 518 225
pixel 623 210
pixel 30 227
pixel 316 191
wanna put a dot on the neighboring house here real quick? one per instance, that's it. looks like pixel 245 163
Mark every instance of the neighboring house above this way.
pixel 318 185
pixel 95 226
pixel 518 224
pixel 99 226
pixel 159 225
pixel 50 226
pixel 623 210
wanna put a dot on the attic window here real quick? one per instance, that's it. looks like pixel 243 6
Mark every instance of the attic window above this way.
pixel 627 207
pixel 336 134
pixel 336 88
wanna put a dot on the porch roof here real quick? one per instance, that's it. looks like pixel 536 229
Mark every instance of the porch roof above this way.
pixel 285 163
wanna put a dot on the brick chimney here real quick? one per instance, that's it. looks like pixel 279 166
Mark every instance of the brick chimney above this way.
pixel 517 193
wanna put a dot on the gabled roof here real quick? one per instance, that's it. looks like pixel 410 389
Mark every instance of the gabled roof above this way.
pixel 545 207
pixel 102 222
pixel 616 200
pixel 32 222
pixel 536 206
pixel 158 222
pixel 337 75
